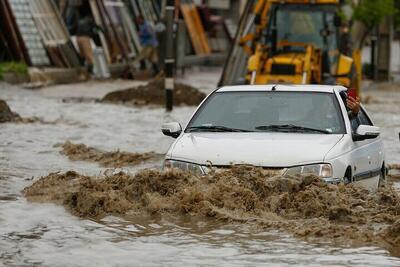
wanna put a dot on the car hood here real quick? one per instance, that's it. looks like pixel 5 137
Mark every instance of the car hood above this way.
pixel 259 149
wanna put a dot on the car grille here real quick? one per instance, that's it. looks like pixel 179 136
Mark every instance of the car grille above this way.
pixel 283 69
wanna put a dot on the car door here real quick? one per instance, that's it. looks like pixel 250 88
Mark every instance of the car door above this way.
pixel 366 154
pixel 374 146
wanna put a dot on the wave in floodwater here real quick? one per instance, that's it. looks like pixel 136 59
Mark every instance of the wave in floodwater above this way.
pixel 394 172
pixel 9 116
pixel 115 159
pixel 304 206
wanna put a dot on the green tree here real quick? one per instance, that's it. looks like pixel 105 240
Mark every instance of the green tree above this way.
pixel 371 13
pixel 396 15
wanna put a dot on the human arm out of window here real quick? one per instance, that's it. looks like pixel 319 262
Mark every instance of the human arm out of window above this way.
pixel 353 104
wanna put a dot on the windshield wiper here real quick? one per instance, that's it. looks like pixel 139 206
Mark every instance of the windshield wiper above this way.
pixel 215 129
pixel 289 128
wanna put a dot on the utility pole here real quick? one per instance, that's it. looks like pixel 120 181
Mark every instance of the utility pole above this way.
pixel 169 65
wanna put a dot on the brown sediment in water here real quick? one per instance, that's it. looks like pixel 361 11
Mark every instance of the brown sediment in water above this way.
pixel 392 234
pixel 154 93
pixel 394 172
pixel 394 177
pixel 115 159
pixel 394 167
pixel 6 115
pixel 304 206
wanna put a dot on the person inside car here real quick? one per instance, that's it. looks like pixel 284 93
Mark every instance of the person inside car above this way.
pixel 353 109
pixel 353 105
pixel 320 115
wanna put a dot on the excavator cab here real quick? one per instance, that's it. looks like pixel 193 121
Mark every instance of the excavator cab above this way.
pixel 296 42
pixel 301 33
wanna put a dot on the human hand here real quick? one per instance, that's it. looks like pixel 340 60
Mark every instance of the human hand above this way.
pixel 353 104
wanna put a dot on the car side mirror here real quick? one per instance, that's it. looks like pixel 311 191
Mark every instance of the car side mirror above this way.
pixel 365 132
pixel 172 129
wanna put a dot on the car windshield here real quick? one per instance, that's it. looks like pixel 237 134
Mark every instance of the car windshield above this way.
pixel 272 111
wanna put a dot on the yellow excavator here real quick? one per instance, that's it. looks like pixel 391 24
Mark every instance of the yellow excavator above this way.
pixel 292 41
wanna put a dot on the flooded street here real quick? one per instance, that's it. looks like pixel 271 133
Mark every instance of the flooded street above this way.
pixel 41 234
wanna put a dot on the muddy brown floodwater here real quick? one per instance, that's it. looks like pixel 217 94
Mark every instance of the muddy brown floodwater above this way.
pixel 84 214
pixel 304 206
pixel 113 159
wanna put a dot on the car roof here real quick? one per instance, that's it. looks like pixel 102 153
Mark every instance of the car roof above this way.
pixel 283 87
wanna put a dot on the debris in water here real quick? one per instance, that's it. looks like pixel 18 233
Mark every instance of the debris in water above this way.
pixel 394 177
pixel 304 206
pixel 154 93
pixel 114 159
pixel 392 234
pixel 394 172
pixel 394 167
pixel 6 115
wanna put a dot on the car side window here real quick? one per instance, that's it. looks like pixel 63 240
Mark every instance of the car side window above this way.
pixel 363 118
pixel 355 122
pixel 360 119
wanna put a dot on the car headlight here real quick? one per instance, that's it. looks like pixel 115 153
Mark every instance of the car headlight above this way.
pixel 184 166
pixel 321 170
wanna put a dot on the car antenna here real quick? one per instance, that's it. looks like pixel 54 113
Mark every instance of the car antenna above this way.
pixel 274 87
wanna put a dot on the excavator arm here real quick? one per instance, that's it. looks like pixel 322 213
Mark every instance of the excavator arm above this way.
pixel 260 12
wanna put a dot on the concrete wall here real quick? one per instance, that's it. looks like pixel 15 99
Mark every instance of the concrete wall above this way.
pixel 394 59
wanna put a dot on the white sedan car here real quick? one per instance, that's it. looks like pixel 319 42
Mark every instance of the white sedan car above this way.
pixel 295 129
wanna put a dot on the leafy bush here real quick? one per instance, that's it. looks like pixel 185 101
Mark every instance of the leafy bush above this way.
pixel 15 67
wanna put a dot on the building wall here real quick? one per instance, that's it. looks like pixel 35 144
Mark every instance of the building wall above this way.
pixel 395 60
